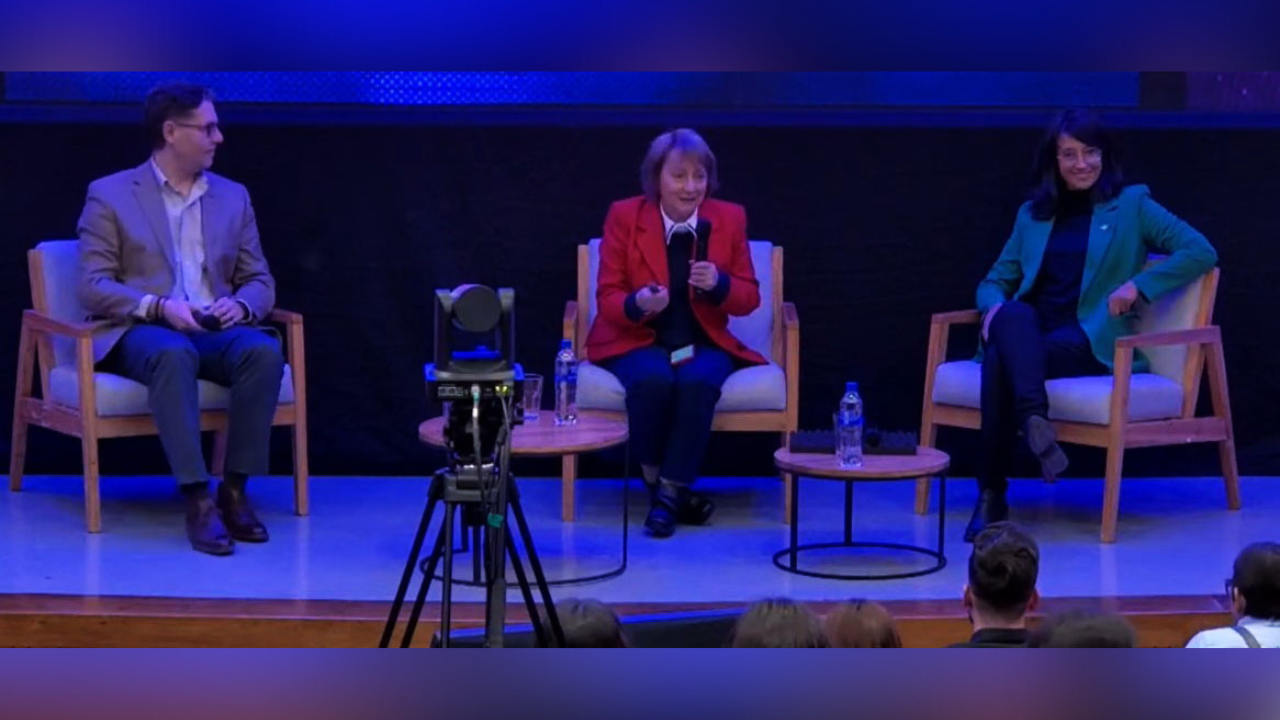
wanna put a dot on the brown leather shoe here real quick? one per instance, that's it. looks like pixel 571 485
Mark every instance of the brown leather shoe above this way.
pixel 241 521
pixel 205 528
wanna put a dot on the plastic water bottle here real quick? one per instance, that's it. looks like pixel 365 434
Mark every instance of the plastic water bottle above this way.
pixel 566 385
pixel 849 428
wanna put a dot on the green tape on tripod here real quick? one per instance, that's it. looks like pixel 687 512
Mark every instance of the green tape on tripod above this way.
pixel 494 520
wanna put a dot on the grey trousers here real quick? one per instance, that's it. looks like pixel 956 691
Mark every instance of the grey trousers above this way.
pixel 169 362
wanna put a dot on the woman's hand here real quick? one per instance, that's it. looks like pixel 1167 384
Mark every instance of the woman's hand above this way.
pixel 652 299
pixel 986 319
pixel 1122 299
pixel 704 275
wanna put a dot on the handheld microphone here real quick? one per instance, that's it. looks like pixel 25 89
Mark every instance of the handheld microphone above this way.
pixel 700 241
pixel 208 321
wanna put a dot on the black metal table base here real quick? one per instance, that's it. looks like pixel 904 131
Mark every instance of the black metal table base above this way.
pixel 470 542
pixel 788 558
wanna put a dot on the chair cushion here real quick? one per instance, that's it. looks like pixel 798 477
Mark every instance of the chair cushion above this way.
pixel 118 395
pixel 1079 399
pixel 761 387
pixel 754 330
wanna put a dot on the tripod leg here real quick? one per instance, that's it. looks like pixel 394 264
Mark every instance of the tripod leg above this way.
pixel 414 551
pixel 446 599
pixel 443 545
pixel 527 592
pixel 545 590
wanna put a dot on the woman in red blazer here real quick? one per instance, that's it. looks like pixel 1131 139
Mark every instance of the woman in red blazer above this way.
pixel 674 265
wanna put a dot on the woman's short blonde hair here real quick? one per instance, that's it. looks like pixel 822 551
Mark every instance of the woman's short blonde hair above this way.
pixel 685 142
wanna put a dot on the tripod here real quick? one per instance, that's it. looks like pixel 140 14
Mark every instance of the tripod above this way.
pixel 486 492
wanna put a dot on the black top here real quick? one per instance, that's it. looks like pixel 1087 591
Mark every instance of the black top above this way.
pixel 1056 292
pixel 996 638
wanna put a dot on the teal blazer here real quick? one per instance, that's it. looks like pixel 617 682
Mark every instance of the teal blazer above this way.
pixel 1124 231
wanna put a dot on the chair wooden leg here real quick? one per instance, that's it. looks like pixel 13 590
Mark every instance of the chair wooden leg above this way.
pixel 568 479
pixel 26 369
pixel 1222 410
pixel 301 470
pixel 219 465
pixel 92 499
pixel 928 438
pixel 17 452
pixel 1111 493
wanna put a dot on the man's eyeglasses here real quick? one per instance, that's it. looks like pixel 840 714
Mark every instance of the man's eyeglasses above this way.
pixel 208 128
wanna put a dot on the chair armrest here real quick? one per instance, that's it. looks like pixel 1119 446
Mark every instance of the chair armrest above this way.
pixel 790 320
pixel 287 317
pixel 570 326
pixel 1195 336
pixel 958 317
pixel 39 322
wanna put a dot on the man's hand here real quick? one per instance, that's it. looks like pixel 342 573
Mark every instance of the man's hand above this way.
pixel 178 314
pixel 1122 299
pixel 228 311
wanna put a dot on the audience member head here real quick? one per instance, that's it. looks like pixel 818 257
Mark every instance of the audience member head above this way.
pixel 1083 630
pixel 590 624
pixel 1003 568
pixel 861 624
pixel 678 172
pixel 182 123
pixel 1075 154
pixel 778 623
pixel 1254 586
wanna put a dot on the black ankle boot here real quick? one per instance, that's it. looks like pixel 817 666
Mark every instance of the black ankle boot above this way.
pixel 992 507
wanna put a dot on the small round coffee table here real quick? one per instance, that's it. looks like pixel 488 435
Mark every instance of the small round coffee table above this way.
pixel 543 438
pixel 928 462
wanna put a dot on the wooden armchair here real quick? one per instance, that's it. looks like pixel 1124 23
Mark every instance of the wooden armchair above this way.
pixel 758 399
pixel 1126 410
pixel 113 406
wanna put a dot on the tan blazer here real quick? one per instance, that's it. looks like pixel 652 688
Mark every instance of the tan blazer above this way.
pixel 127 252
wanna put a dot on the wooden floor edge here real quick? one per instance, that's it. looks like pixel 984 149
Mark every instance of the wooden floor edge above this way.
pixel 120 621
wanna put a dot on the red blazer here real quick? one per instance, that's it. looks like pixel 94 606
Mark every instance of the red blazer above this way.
pixel 633 254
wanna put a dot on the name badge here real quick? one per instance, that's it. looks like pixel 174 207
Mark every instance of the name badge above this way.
pixel 682 355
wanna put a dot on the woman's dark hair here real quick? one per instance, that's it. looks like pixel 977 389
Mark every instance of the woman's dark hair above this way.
pixel 1049 186
pixel 1080 629
pixel 778 623
pixel 173 101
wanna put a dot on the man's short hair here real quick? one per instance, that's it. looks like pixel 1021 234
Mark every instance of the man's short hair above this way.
pixel 1256 575
pixel 1003 568
pixel 171 101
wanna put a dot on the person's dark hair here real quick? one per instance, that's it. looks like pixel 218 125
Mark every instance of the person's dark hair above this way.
pixel 589 624
pixel 685 142
pixel 1049 186
pixel 861 624
pixel 1003 568
pixel 1081 629
pixel 1256 574
pixel 778 623
pixel 172 101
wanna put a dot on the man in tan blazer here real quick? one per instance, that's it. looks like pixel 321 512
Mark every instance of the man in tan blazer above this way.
pixel 169 252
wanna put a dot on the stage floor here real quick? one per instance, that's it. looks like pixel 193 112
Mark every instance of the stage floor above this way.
pixel 1176 538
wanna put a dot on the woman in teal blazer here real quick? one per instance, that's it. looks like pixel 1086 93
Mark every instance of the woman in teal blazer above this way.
pixel 1064 288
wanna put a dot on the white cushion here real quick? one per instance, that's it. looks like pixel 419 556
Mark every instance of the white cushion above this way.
pixel 1079 399
pixel 760 387
pixel 754 330
pixel 118 395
